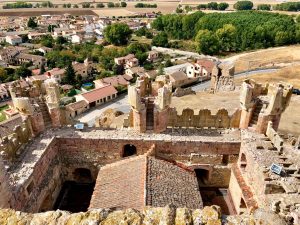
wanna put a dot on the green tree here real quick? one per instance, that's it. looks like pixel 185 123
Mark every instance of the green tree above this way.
pixel 179 10
pixel 3 75
pixel 51 27
pixel 117 33
pixel 266 7
pixel 168 63
pixel 22 71
pixel 61 40
pixel 243 5
pixel 207 42
pixel 282 38
pixel 142 57
pixel 47 41
pixel 100 5
pixel 123 4
pixel 223 6
pixel 138 47
pixel 110 5
pixel 69 75
pixel 75 6
pixel 31 23
pixel 160 39
pixel 212 5
pixel 227 37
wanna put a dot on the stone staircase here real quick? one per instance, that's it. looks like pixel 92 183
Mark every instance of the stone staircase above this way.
pixel 44 110
pixel 256 112
pixel 150 115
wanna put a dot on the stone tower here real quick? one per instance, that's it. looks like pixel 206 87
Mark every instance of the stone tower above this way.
pixel 52 100
pixel 149 105
pixel 222 77
pixel 261 104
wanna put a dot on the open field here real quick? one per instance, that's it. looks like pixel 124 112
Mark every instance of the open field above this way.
pixel 290 121
pixel 163 6
pixel 290 74
pixel 266 58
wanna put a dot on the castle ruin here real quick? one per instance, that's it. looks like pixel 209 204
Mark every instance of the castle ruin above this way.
pixel 189 160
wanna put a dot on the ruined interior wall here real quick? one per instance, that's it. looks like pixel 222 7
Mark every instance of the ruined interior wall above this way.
pixel 64 155
pixel 274 136
pixel 204 118
pixel 44 180
pixel 5 189
pixel 235 192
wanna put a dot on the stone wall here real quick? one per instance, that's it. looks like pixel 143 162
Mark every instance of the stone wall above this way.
pixel 204 118
pixel 155 216
pixel 12 143
pixel 43 185
pixel 274 137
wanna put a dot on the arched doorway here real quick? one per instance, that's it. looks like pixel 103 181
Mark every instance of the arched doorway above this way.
pixel 129 150
pixel 82 175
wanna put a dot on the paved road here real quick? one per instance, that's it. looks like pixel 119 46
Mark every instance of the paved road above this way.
pixel 121 103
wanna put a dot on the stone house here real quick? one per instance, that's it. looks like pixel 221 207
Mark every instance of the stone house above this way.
pixel 13 39
pixel 77 108
pixel 56 73
pixel 98 96
pixel 115 81
pixel 202 69
pixel 178 79
pixel 84 69
pixel 134 71
pixel 3 92
pixel 153 56
pixel 128 61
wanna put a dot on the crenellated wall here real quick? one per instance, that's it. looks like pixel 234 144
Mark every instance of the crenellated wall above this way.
pixel 204 118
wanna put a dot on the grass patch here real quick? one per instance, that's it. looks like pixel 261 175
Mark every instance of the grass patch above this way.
pixel 2 115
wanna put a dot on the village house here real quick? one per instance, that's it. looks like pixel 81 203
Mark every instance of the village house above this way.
pixel 36 35
pixel 84 69
pixel 127 61
pixel 176 68
pixel 44 49
pixel 98 96
pixel 178 79
pixel 153 56
pixel 202 69
pixel 36 60
pixel 13 39
pixel 116 81
pixel 56 73
pixel 76 39
pixel 37 77
pixel 3 92
pixel 135 71
pixel 77 108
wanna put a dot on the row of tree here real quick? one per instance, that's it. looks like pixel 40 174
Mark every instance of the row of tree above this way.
pixel 144 5
pixel 214 6
pixel 288 6
pixel 247 30
pixel 20 4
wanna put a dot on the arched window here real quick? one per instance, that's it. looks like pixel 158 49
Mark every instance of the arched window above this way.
pixel 129 150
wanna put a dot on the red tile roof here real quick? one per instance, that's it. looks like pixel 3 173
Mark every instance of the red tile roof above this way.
pixel 207 64
pixel 114 81
pixel 99 93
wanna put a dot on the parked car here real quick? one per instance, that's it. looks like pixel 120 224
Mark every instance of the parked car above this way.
pixel 296 91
